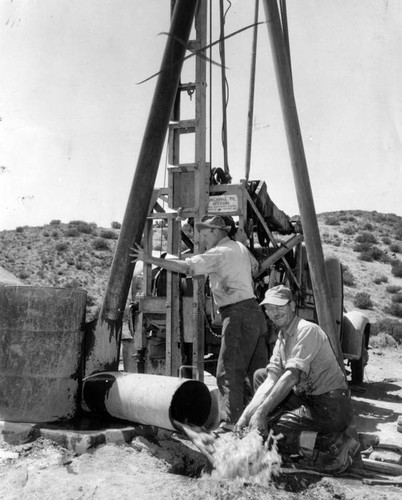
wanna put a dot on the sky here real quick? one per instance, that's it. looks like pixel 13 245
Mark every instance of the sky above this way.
pixel 72 113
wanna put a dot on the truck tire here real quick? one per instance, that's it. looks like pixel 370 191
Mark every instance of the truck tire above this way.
pixel 357 365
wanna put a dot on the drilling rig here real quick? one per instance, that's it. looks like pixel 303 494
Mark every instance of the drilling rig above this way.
pixel 175 326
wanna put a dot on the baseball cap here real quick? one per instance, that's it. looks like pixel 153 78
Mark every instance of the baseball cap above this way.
pixel 277 296
pixel 215 222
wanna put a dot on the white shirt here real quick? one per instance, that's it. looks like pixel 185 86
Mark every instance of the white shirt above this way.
pixel 228 265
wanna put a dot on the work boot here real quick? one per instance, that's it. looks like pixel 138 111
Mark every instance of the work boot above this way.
pixel 336 460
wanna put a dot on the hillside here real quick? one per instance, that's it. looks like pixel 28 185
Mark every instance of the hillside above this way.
pixel 79 254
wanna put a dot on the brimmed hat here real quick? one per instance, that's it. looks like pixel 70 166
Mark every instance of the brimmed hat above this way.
pixel 215 222
pixel 277 296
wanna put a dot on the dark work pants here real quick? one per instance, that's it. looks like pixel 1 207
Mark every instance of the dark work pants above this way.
pixel 242 352
pixel 327 414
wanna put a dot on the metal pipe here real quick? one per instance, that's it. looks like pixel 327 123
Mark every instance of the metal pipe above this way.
pixel 150 399
pixel 224 90
pixel 282 250
pixel 103 339
pixel 315 255
pixel 250 114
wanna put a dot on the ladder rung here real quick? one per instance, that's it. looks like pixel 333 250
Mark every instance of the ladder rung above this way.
pixel 183 167
pixel 183 126
pixel 186 87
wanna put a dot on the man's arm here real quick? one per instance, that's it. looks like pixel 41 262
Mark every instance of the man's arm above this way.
pixel 278 393
pixel 259 397
pixel 176 266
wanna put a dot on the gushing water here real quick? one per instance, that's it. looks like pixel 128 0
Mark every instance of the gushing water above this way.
pixel 248 458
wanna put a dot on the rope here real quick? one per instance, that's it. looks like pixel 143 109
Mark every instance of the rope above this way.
pixel 225 87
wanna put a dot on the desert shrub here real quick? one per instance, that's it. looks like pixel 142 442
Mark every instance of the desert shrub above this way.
pixel 395 309
pixel 348 230
pixel 366 256
pixel 397 268
pixel 55 234
pixel 393 288
pixel 348 278
pixel 398 233
pixel 372 253
pixel 108 234
pixel 116 225
pixel 386 240
pixel 362 300
pixel 395 248
pixel 83 227
pixel 362 247
pixel 100 244
pixel 368 226
pixel 377 253
pixel 55 222
pixel 351 218
pixel 388 326
pixel 366 237
pixel 382 340
pixel 19 229
pixel 380 279
pixel 72 232
pixel 61 247
pixel 23 274
pixel 397 298
pixel 332 220
pixel 46 234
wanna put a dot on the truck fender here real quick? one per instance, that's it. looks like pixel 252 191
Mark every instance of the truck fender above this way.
pixel 355 331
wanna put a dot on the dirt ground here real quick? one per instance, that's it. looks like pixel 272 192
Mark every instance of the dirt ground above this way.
pixel 167 468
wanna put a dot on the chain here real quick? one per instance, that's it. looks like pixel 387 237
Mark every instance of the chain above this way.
pixel 208 324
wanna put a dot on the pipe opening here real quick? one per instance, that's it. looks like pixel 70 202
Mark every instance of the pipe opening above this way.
pixel 191 403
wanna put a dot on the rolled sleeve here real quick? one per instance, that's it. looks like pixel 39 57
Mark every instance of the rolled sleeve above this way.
pixel 275 365
pixel 304 351
pixel 206 263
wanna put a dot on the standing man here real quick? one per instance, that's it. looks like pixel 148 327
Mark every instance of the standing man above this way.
pixel 228 264
pixel 302 394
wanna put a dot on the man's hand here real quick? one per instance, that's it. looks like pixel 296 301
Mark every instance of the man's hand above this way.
pixel 139 254
pixel 259 421
pixel 242 422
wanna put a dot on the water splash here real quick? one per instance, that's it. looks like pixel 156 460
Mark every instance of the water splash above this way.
pixel 246 457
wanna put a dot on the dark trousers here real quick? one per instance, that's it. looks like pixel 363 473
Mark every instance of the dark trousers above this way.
pixel 242 352
pixel 327 414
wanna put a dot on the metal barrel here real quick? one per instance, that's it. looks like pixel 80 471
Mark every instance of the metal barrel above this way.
pixel 41 338
pixel 147 399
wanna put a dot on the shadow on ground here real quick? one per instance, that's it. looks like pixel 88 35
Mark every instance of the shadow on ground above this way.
pixel 375 404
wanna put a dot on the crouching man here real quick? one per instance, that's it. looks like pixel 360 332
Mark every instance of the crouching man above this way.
pixel 302 393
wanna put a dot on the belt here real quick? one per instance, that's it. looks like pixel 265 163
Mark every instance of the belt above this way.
pixel 336 393
pixel 242 302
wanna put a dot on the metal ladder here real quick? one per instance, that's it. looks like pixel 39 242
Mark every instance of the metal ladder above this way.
pixel 188 186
